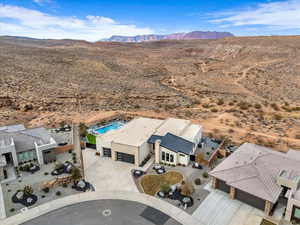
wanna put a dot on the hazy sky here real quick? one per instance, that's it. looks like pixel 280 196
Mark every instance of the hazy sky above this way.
pixel 97 19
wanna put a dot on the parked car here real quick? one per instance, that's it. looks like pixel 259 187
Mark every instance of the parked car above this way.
pixel 197 166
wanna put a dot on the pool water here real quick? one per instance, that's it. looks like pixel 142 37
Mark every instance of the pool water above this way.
pixel 111 126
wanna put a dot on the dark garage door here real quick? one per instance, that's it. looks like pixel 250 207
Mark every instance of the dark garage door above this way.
pixel 250 199
pixel 125 157
pixel 107 152
pixel 221 185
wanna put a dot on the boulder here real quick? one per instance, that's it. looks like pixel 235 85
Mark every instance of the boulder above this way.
pixel 20 195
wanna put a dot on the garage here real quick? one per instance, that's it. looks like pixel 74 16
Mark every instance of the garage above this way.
pixel 107 152
pixel 124 157
pixel 250 199
pixel 221 185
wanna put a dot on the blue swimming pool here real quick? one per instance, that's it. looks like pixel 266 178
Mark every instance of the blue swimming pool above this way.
pixel 111 126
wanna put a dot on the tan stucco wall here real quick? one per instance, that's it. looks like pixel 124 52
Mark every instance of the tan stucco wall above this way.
pixel 133 150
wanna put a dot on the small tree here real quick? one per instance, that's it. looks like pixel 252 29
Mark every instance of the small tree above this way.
pixel 28 190
pixel 187 188
pixel 76 174
pixel 82 130
pixel 199 157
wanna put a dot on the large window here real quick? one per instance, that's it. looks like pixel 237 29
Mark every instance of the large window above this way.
pixel 296 213
pixel 163 156
pixel 26 156
pixel 168 157
pixel 171 158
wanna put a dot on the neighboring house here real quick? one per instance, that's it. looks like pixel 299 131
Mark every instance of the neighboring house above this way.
pixel 172 141
pixel 20 145
pixel 260 176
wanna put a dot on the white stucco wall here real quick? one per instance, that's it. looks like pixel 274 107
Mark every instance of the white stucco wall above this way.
pixel 40 148
pixel 183 159
pixel 144 150
pixel 100 144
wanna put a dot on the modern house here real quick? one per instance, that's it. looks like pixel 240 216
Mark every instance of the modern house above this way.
pixel 20 145
pixel 172 141
pixel 260 177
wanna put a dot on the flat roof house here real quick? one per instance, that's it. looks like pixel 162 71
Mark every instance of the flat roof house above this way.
pixel 259 176
pixel 172 141
pixel 19 145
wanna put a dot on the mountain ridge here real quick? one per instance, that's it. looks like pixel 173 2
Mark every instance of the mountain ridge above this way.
pixel 174 36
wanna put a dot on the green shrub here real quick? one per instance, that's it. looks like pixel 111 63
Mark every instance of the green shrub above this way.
pixel 46 173
pixel 12 210
pixel 46 189
pixel 205 175
pixel 58 193
pixel 197 181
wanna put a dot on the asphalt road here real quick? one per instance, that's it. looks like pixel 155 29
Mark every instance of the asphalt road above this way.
pixel 104 212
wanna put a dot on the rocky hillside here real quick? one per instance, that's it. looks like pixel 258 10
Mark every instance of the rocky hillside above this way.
pixel 240 85
pixel 176 36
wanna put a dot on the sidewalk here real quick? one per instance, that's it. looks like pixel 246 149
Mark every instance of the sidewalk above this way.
pixel 174 212
pixel 2 206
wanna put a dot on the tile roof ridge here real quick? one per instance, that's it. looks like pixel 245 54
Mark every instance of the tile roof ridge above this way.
pixel 263 178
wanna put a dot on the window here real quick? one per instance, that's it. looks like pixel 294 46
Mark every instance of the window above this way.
pixel 168 157
pixel 163 156
pixel 171 158
pixel 183 155
pixel 296 212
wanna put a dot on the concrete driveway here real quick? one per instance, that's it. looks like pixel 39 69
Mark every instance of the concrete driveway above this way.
pixel 219 209
pixel 106 174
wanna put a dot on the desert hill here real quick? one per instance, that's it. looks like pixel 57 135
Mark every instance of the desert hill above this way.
pixel 239 86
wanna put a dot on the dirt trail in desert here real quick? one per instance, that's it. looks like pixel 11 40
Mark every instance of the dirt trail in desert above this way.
pixel 244 75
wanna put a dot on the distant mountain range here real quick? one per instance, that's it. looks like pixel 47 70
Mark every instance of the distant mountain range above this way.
pixel 175 36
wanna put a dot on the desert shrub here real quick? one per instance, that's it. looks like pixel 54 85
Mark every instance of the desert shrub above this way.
pixel 214 110
pixel 197 181
pixel 206 106
pixel 277 117
pixel 46 189
pixel 205 175
pixel 257 106
pixel 244 105
pixel 220 101
pixel 297 136
pixel 231 103
pixel 230 131
pixel 275 106
pixel 28 190
pixel 97 153
pixel 187 188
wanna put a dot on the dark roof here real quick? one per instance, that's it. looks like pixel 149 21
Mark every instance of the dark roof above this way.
pixel 154 138
pixel 177 144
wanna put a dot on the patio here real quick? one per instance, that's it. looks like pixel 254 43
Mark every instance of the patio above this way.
pixel 35 180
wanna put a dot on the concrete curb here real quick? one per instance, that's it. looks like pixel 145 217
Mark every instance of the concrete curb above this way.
pixel 174 212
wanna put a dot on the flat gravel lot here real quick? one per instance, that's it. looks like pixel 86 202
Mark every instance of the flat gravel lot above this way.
pixel 105 212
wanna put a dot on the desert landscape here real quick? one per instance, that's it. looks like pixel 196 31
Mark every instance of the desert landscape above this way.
pixel 242 88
